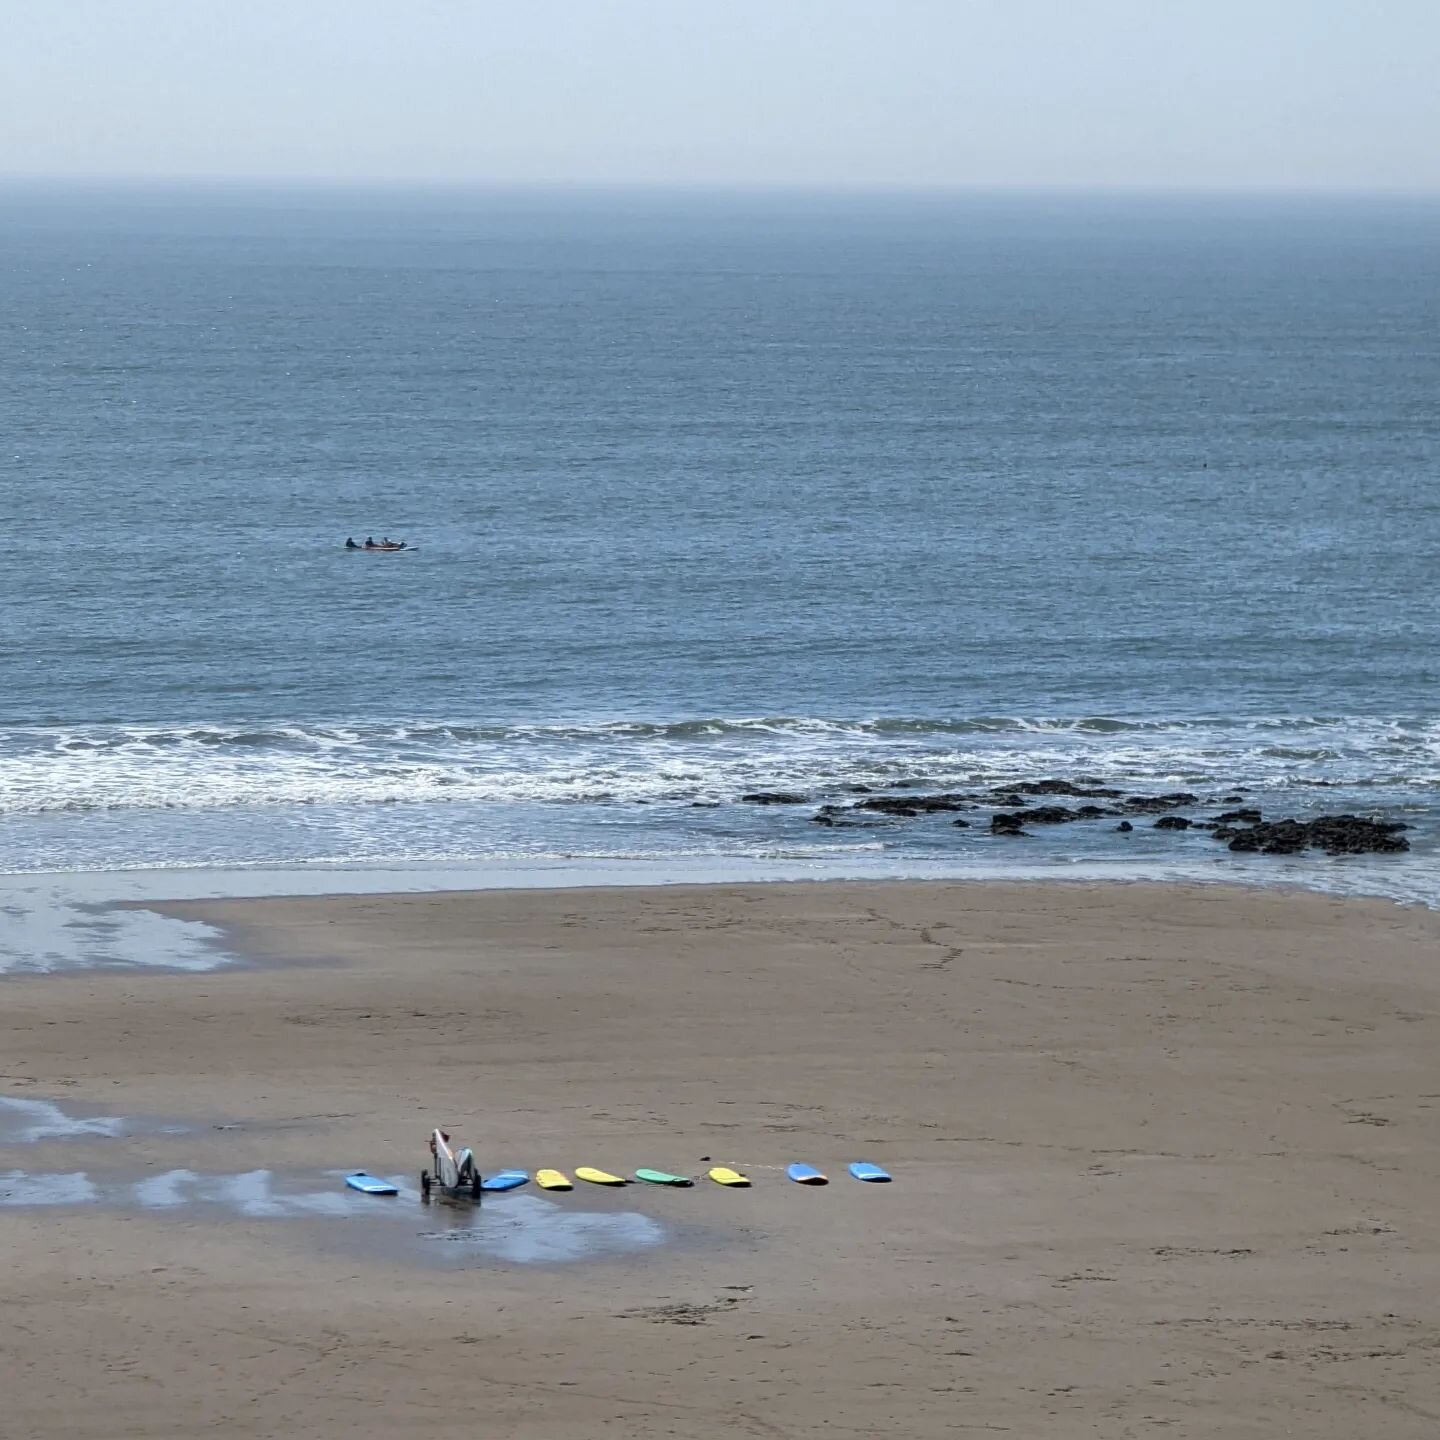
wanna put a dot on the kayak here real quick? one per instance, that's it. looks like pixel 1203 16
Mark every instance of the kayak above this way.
pixel 377 549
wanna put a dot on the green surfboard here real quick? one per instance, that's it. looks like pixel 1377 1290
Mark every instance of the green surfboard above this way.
pixel 660 1177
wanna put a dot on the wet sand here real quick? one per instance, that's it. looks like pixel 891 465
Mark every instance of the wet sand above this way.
pixel 1165 1160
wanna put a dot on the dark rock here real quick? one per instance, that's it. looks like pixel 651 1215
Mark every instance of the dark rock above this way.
pixel 859 789
pixel 773 797
pixel 1244 817
pixel 1148 804
pixel 1003 824
pixel 1059 814
pixel 1334 834
pixel 1086 788
pixel 1353 835
pixel 1172 822
pixel 1232 799
pixel 916 804
pixel 963 824
pixel 1124 827
pixel 839 815
pixel 1047 815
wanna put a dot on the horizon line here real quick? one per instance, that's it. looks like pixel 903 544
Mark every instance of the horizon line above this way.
pixel 936 189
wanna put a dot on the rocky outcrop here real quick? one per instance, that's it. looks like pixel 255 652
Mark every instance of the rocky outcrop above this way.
pixel 916 804
pixel 844 816
pixel 1013 809
pixel 1084 789
pixel 1055 814
pixel 1334 834
pixel 1148 804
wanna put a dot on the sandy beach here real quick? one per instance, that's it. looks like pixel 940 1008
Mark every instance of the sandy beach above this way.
pixel 1165 1162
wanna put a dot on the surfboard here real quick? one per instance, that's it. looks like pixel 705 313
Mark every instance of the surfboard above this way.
pixel 552 1180
pixel 369 1185
pixel 806 1175
pixel 724 1175
pixel 863 1170
pixel 505 1180
pixel 598 1177
pixel 662 1177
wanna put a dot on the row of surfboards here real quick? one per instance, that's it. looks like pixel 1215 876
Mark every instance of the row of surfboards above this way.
pixel 558 1180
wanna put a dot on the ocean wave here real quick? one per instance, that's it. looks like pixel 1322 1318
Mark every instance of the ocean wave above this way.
pixel 74 769
pixel 307 736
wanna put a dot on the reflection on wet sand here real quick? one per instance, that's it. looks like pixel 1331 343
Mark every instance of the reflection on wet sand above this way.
pixel 518 1229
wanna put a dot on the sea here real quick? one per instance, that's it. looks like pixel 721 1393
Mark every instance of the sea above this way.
pixel 709 493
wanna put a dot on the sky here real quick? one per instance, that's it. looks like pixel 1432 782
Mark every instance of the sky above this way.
pixel 1130 94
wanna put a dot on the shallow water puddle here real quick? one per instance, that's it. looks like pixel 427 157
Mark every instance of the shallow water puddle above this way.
pixel 22 1189
pixel 25 1121
pixel 518 1229
pixel 526 1230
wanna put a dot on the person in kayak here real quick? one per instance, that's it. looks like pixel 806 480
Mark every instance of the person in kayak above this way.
pixel 350 543
pixel 370 543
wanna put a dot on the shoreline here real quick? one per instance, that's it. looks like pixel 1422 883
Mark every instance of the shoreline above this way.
pixel 87 921
pixel 241 923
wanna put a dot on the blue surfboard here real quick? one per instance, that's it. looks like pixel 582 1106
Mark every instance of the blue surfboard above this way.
pixel 863 1170
pixel 505 1180
pixel 806 1175
pixel 369 1185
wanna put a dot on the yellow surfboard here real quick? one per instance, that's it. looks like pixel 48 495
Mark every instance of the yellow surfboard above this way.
pixel 553 1180
pixel 724 1175
pixel 598 1177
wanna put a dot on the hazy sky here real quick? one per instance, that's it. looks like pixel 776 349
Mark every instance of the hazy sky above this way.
pixel 1267 93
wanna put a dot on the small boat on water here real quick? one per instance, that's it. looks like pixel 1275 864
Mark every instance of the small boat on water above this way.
pixel 383 547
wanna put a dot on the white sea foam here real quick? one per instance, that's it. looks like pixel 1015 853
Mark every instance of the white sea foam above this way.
pixel 597 796
pixel 209 767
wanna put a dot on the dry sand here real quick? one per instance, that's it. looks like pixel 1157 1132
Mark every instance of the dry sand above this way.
pixel 1165 1163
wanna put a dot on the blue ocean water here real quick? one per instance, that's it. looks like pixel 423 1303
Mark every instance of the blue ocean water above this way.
pixel 710 493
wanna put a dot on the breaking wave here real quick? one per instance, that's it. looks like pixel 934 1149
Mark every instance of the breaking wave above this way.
pixel 69 769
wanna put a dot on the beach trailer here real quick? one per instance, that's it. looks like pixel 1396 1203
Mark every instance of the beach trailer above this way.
pixel 453 1175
